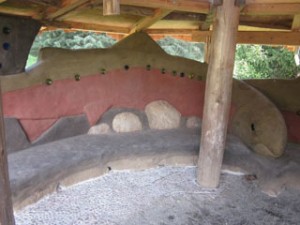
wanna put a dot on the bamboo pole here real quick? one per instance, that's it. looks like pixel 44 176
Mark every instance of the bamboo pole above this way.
pixel 218 94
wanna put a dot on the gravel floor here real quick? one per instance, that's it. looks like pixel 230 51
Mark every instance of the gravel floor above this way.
pixel 161 196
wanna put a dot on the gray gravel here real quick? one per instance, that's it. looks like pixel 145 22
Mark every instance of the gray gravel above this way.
pixel 161 196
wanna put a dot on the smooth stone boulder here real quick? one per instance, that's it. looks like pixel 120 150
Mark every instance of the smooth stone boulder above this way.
pixel 193 122
pixel 126 122
pixel 102 128
pixel 110 114
pixel 162 116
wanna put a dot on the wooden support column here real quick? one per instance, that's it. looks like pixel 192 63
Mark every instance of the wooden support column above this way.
pixel 6 208
pixel 111 7
pixel 207 49
pixel 218 94
pixel 16 37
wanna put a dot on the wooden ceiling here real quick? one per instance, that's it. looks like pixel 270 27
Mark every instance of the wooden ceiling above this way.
pixel 160 17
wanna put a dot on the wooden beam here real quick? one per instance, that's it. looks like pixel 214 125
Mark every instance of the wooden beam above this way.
pixel 199 6
pixel 272 1
pixel 257 37
pixel 258 26
pixel 171 31
pixel 149 20
pixel 218 94
pixel 20 10
pixel 271 9
pixel 207 49
pixel 139 11
pixel 66 7
pixel 87 26
pixel 111 7
pixel 271 38
pixel 200 36
pixel 209 19
pixel 296 23
pixel 186 16
pixel 17 36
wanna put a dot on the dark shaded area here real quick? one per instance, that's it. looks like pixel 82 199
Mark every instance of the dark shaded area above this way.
pixel 16 39
pixel 63 128
pixel 15 137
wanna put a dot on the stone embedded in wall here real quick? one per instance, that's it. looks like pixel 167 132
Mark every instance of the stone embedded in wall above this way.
pixel 193 122
pixel 126 122
pixel 161 115
pixel 110 114
pixel 102 128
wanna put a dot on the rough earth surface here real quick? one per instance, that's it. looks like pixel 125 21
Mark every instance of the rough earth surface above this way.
pixel 163 196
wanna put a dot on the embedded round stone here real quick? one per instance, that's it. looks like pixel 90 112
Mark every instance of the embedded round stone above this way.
pixel 126 122
pixel 193 122
pixel 102 128
pixel 162 116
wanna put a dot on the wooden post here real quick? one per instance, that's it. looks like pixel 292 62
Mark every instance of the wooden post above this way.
pixel 207 49
pixel 218 94
pixel 6 208
pixel 16 37
pixel 111 7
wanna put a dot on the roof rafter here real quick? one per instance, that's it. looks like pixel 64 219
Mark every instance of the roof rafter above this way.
pixel 66 7
pixel 87 26
pixel 200 6
pixel 257 37
pixel 271 1
pixel 209 18
pixel 149 20
pixel 272 9
pixel 296 23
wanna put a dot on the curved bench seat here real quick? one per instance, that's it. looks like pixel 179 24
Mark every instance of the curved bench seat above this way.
pixel 39 170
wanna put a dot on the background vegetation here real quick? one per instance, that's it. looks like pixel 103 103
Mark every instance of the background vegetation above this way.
pixel 252 61
pixel 263 62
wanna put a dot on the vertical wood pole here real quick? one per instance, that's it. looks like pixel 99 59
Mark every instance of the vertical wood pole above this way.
pixel 16 37
pixel 218 94
pixel 207 49
pixel 111 7
pixel 6 208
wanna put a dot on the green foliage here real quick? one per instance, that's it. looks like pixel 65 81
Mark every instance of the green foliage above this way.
pixel 88 40
pixel 263 62
pixel 31 60
pixel 69 40
pixel 184 49
pixel 251 62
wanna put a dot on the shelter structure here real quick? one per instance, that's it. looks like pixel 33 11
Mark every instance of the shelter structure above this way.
pixel 220 24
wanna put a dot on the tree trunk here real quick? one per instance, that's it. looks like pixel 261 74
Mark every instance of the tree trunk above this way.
pixel 218 94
